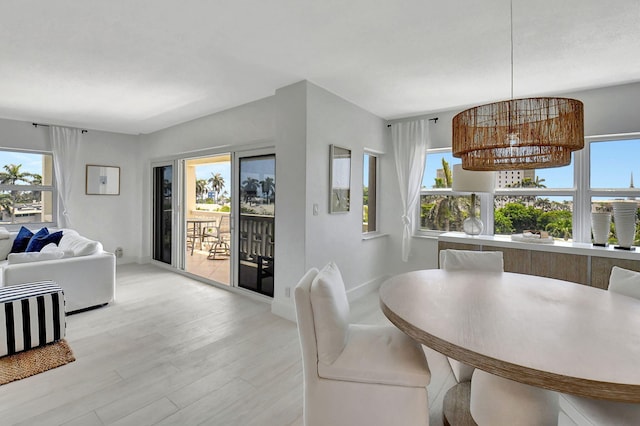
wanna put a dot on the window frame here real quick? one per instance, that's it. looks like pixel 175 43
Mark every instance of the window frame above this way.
pixel 487 200
pixel 586 193
pixel 33 188
pixel 376 202
pixel 581 192
pixel 434 233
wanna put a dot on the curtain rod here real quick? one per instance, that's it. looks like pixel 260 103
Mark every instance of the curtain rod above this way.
pixel 435 120
pixel 47 125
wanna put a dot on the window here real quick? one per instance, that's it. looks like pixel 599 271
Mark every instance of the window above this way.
pixel 557 200
pixel 369 193
pixel 440 208
pixel 613 163
pixel 524 199
pixel 27 192
pixel 538 199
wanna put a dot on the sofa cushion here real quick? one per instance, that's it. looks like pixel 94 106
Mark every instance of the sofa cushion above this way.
pixel 4 234
pixel 38 241
pixel 80 246
pixel 51 247
pixel 33 256
pixel 330 313
pixel 22 240
pixel 5 246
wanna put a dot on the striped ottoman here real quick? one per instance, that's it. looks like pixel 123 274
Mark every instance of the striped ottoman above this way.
pixel 31 315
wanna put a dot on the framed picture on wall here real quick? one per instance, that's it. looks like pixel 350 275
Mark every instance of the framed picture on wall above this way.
pixel 340 179
pixel 102 180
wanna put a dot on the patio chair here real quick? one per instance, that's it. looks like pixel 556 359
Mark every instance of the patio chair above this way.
pixel 221 233
pixel 192 236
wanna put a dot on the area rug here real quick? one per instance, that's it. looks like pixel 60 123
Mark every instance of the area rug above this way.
pixel 34 361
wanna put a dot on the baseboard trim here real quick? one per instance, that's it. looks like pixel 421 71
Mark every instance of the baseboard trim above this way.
pixel 366 288
pixel 286 310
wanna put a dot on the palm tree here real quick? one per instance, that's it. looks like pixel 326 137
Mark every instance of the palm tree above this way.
pixel 446 181
pixel 201 188
pixel 6 203
pixel 268 186
pixel 36 179
pixel 250 188
pixel 11 176
pixel 446 213
pixel 217 183
pixel 538 183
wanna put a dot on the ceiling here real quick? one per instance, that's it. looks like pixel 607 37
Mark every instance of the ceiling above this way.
pixel 141 66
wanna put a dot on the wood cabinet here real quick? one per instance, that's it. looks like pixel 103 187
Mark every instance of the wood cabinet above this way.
pixel 579 263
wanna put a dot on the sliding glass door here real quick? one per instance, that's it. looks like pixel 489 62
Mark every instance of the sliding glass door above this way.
pixel 163 213
pixel 207 217
pixel 256 207
pixel 214 217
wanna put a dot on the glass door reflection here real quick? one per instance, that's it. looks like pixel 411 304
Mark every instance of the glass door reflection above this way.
pixel 256 225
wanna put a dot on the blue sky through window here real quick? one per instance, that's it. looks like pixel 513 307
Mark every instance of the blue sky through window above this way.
pixel 31 163
pixel 612 164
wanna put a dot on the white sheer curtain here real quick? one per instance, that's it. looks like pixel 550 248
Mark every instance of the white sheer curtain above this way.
pixel 410 142
pixel 65 143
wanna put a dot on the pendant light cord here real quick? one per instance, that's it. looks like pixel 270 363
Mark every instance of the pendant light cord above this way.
pixel 511 35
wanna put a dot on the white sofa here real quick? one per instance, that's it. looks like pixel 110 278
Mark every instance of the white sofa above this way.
pixel 86 272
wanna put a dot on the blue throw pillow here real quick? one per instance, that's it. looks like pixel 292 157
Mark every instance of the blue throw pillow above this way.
pixel 22 240
pixel 38 241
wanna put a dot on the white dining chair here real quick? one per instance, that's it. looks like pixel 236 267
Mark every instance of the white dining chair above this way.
pixel 578 411
pixel 471 260
pixel 494 400
pixel 463 260
pixel 355 374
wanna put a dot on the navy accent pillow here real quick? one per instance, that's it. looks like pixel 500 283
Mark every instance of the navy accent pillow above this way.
pixel 38 241
pixel 22 240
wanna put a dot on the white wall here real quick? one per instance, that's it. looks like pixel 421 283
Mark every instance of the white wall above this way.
pixel 338 237
pixel 113 220
pixel 609 110
pixel 249 124
pixel 291 197
pixel 301 121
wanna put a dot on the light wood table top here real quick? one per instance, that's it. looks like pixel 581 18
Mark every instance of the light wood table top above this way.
pixel 544 332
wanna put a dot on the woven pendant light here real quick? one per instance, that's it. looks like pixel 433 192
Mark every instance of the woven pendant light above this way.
pixel 518 134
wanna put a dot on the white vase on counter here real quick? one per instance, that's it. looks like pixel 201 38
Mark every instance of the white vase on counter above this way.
pixel 624 218
pixel 600 227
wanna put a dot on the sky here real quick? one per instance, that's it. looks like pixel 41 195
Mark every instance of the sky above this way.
pixel 206 172
pixel 258 168
pixel 31 163
pixel 611 166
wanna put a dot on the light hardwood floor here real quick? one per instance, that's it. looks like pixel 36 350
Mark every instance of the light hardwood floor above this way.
pixel 174 351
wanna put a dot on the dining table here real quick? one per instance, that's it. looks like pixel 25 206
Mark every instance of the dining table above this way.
pixel 544 332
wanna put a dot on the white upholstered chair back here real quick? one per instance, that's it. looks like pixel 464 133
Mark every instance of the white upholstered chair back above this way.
pixel 577 411
pixel 471 260
pixel 462 260
pixel 353 373
pixel 306 328
pixel 494 400
pixel 624 281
